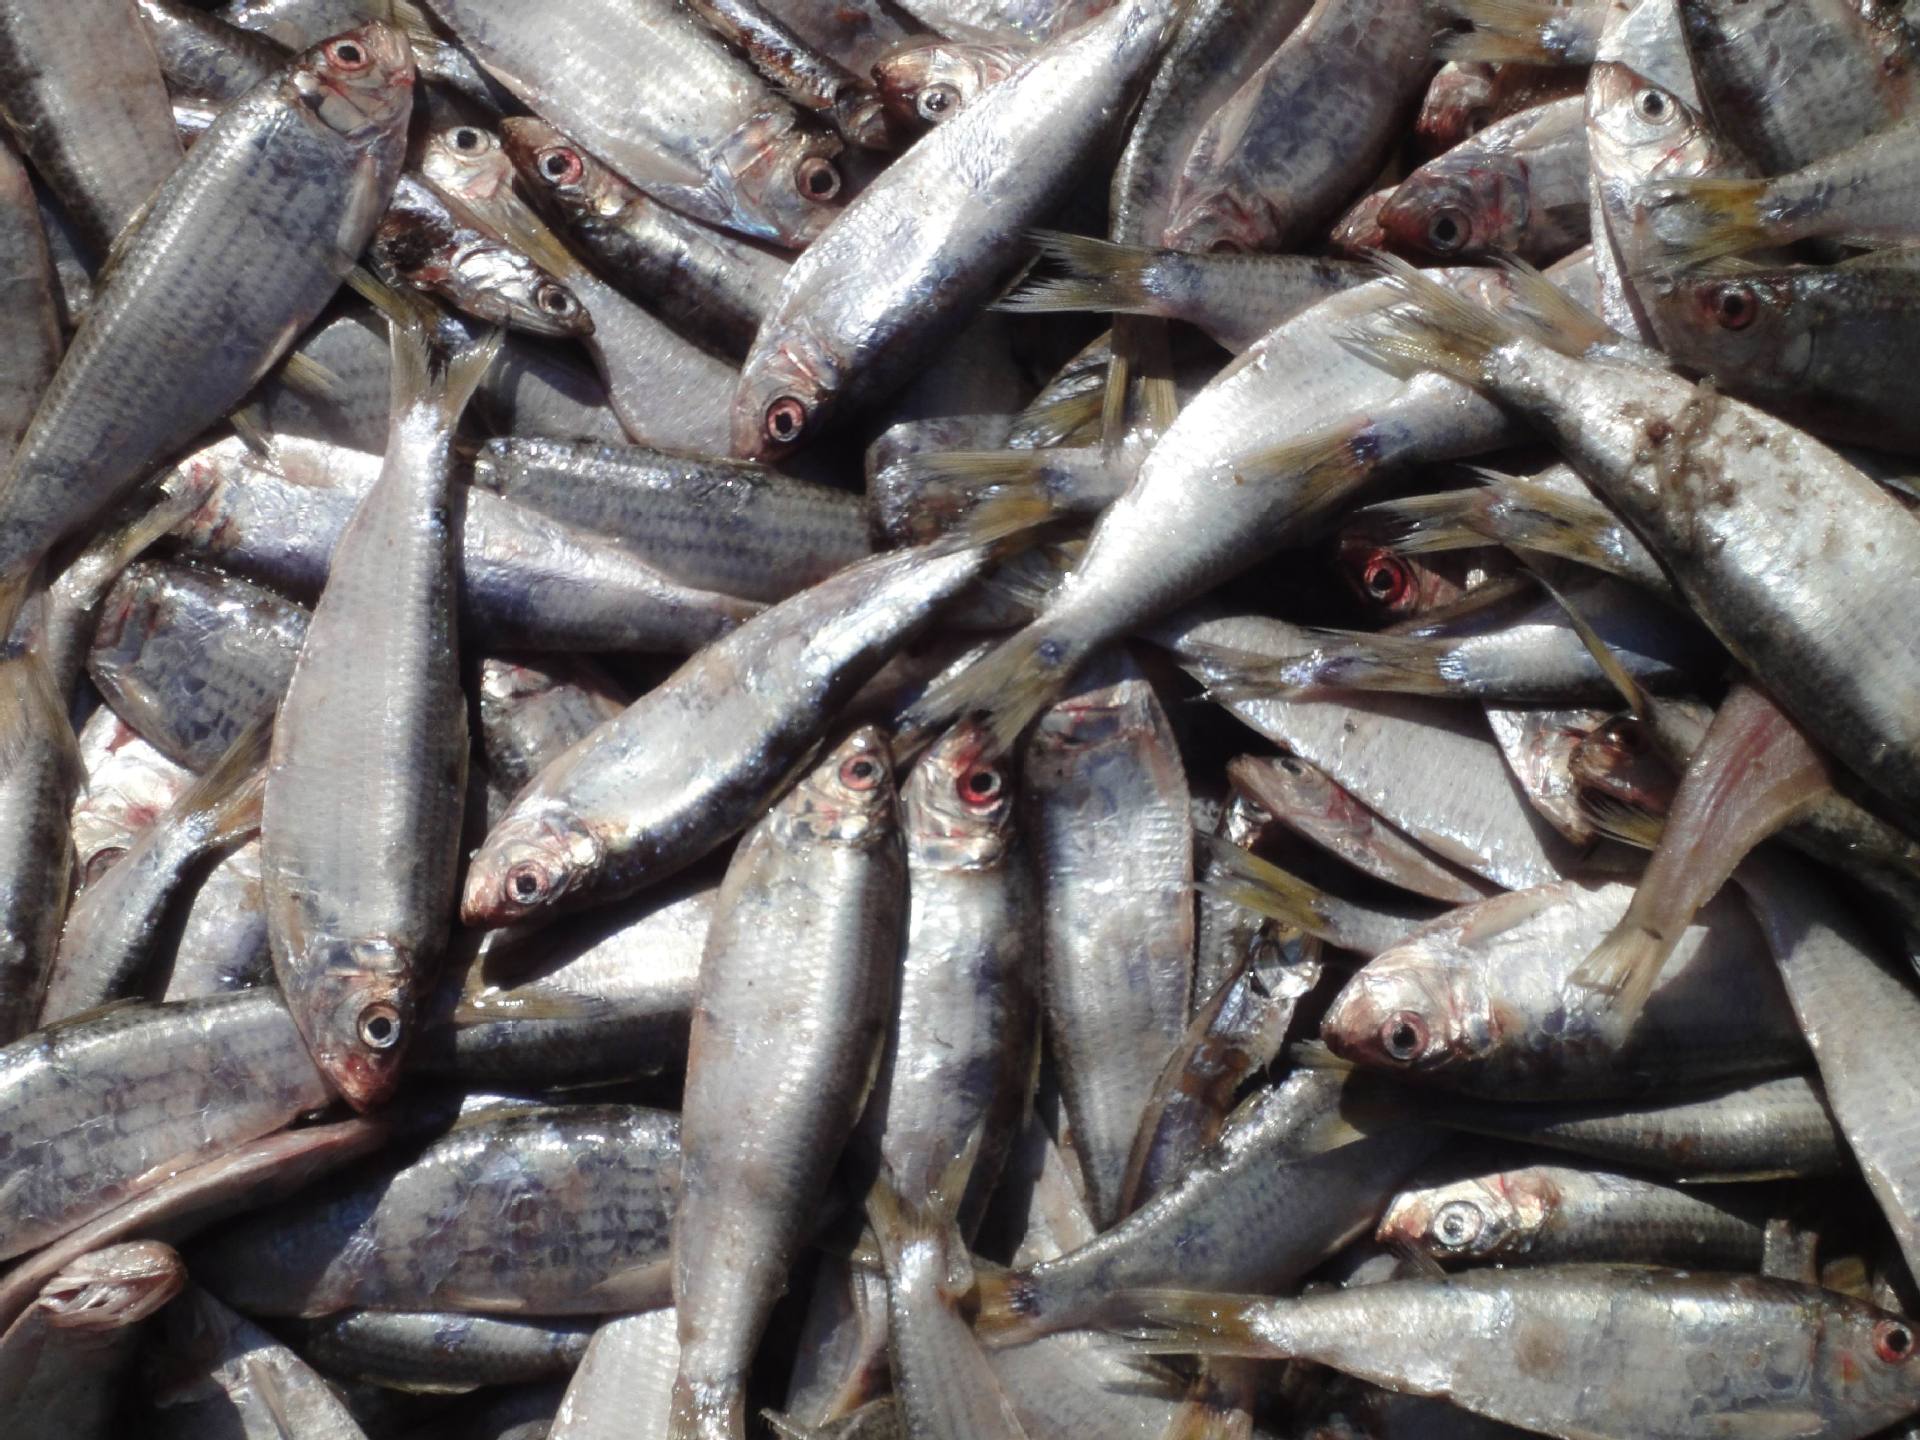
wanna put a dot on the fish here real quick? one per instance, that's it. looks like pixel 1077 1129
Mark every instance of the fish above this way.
pixel 421 1231
pixel 623 1381
pixel 440 1352
pixel 810 78
pixel 29 300
pixel 929 81
pixel 40 772
pixel 808 924
pixel 317 147
pixel 529 713
pixel 1524 1346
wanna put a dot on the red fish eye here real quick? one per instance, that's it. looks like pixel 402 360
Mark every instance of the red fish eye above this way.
pixel 1403 1036
pixel 817 178
pixel 786 420
pixel 980 788
pixel 1387 580
pixel 348 55
pixel 1447 231
pixel 560 165
pixel 1733 306
pixel 861 772
pixel 1893 1341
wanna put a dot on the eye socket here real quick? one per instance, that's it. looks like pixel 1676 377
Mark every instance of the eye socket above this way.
pixel 860 772
pixel 379 1026
pixel 100 862
pixel 1448 231
pixel 1387 580
pixel 526 883
pixel 817 178
pixel 1225 247
pixel 786 420
pixel 559 165
pixel 1292 766
pixel 1653 106
pixel 1734 307
pixel 348 55
pixel 467 140
pixel 1458 1224
pixel 980 788
pixel 554 300
pixel 1403 1036
pixel 1893 1341
pixel 936 102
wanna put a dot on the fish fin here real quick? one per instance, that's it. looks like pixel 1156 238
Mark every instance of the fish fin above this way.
pixel 122 244
pixel 412 22
pixel 1415 1261
pixel 229 793
pixel 483 1007
pixel 1557 318
pixel 1314 1055
pixel 1706 219
pixel 790 1429
pixel 1424 524
pixel 1610 664
pixel 1012 685
pixel 1004 520
pixel 1439 330
pixel 266 1385
pixel 401 307
pixel 1623 969
pixel 1063 420
pixel 1527 516
pixel 1259 885
pixel 1184 1322
pixel 1518 31
pixel 249 422
pixel 1620 820
pixel 1100 276
pixel 177 495
pixel 307 376
pixel 1334 660
pixel 1324 466
pixel 29 710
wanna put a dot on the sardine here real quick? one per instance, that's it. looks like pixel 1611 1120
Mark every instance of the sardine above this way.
pixel 928 82
pixel 40 773
pixel 810 78
pixel 438 1351
pixel 624 1382
pixel 29 300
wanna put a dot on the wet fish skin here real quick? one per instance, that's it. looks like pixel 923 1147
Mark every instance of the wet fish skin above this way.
pixel 31 340
pixel 527 580
pixel 713 288
pixel 207 58
pixel 315 151
pixel 181 1083
pixel 810 78
pixel 808 925
pixel 532 711
pixel 1109 819
pixel 1305 131
pixel 1553 1214
pixel 440 1351
pixel 710 138
pixel 1480 1000
pixel 624 1382
pixel 614 814
pixel 929 81
pixel 1613 1352
pixel 86 100
pixel 190 658
pixel 960 1052
pixel 1541 746
pixel 427 1232
pixel 40 773
pixel 960 196
pixel 721 525
pixel 62 1362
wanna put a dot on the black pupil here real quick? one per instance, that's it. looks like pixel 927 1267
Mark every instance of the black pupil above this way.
pixel 349 54
pixel 1404 1037
pixel 1654 104
pixel 379 1028
pixel 861 770
pixel 1733 304
pixel 525 886
pixel 556 166
pixel 466 139
pixel 554 301
pixel 1381 581
pixel 984 782
pixel 783 423
pixel 819 182
pixel 1898 1340
pixel 936 100
pixel 1446 231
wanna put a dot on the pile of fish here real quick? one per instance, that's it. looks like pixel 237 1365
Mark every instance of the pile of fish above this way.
pixel 959 719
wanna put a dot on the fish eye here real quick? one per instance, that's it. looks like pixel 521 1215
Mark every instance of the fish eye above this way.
pixel 1447 231
pixel 379 1026
pixel 817 178
pixel 1653 106
pixel 860 772
pixel 1403 1036
pixel 1292 766
pixel 559 165
pixel 348 55
pixel 935 101
pixel 786 420
pixel 1893 1341
pixel 1458 1224
pixel 1733 306
pixel 554 300
pixel 981 787
pixel 1387 580
pixel 468 140
pixel 526 883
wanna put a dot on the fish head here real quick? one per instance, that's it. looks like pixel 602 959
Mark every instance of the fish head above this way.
pixel 1358 231
pixel 531 862
pixel 1641 131
pixel 848 798
pixel 1450 211
pixel 552 165
pixel 1619 777
pixel 926 82
pixel 1732 320
pixel 1407 1011
pixel 499 284
pixel 355 1003
pixel 785 394
pixel 1486 1217
pixel 1868 1358
pixel 957 804
pixel 781 176
pixel 1222 222
pixel 359 83
pixel 112 1288
pixel 467 163
pixel 1394 585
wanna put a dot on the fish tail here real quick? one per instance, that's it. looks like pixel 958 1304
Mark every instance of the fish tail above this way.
pixel 1184 1322
pixel 1425 524
pixel 1011 685
pixel 419 380
pixel 1323 466
pixel 178 495
pixel 1623 968
pixel 1526 516
pixel 955 481
pixel 1611 666
pixel 1007 1307
pixel 1701 220
pixel 1526 32
pixel 1069 419
pixel 307 376
pixel 1553 316
pixel 1100 275
pixel 1435 330
pixel 227 797
pixel 1244 878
